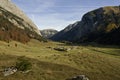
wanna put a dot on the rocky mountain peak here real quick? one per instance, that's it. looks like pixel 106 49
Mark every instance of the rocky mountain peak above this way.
pixel 11 7
pixel 15 25
pixel 47 33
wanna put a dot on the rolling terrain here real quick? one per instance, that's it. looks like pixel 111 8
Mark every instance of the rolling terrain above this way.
pixel 21 39
pixel 98 62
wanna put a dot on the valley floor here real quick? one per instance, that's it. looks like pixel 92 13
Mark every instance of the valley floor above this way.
pixel 96 62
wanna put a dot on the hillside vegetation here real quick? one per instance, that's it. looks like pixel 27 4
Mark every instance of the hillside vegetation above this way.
pixel 13 27
pixel 97 62
pixel 101 26
pixel 10 7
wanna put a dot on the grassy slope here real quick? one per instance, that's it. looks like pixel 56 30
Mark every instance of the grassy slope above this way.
pixel 98 63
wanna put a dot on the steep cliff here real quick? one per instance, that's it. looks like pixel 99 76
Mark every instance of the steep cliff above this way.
pixel 15 25
pixel 11 7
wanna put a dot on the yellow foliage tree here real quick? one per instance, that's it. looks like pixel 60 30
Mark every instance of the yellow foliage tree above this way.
pixel 110 27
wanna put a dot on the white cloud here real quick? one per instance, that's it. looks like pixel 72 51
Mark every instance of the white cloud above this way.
pixel 58 20
pixel 43 5
pixel 55 21
pixel 49 14
pixel 58 14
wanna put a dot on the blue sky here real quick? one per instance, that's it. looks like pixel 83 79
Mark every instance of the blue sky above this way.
pixel 57 14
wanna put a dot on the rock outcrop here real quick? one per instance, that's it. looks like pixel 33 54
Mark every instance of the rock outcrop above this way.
pixel 101 25
pixel 15 25
pixel 11 7
pixel 9 71
pixel 47 33
pixel 79 77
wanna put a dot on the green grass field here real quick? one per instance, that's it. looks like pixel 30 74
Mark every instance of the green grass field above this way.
pixel 96 62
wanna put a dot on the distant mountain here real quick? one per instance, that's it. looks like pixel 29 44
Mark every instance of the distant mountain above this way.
pixel 101 25
pixel 15 25
pixel 47 33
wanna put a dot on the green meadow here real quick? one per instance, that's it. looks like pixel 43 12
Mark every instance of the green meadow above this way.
pixel 97 62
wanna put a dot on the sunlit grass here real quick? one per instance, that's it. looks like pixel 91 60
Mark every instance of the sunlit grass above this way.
pixel 97 62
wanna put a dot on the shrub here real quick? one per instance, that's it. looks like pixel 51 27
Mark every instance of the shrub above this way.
pixel 110 27
pixel 23 64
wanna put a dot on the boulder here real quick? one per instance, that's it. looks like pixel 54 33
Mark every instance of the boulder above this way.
pixel 79 77
pixel 61 49
pixel 9 71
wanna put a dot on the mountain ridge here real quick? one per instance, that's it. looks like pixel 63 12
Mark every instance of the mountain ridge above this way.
pixel 14 26
pixel 93 26
pixel 47 33
pixel 11 7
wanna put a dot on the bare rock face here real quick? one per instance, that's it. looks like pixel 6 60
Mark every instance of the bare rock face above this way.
pixel 101 25
pixel 47 33
pixel 9 71
pixel 9 6
pixel 15 25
